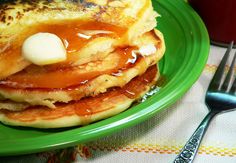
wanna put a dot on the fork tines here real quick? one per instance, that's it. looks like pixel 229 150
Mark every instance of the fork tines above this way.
pixel 217 83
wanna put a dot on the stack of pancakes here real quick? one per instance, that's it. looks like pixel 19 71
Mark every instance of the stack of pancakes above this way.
pixel 112 51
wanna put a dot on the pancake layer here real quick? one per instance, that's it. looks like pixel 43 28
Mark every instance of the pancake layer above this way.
pixel 98 84
pixel 101 25
pixel 86 110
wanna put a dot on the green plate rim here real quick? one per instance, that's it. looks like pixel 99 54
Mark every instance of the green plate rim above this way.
pixel 138 113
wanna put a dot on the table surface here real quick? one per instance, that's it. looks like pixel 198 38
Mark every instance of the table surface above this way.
pixel 160 138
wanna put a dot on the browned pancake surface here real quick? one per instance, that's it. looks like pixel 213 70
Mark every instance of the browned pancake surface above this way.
pixel 20 19
pixel 85 110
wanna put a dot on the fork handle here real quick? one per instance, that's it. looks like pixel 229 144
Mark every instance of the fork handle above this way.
pixel 190 149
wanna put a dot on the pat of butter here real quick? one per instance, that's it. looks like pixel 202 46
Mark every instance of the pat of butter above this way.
pixel 44 49
pixel 147 50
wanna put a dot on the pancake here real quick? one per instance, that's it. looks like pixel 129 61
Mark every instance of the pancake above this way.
pixel 86 110
pixel 13 106
pixel 98 84
pixel 108 24
pixel 108 52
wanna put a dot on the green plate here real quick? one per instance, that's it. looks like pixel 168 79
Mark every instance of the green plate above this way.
pixel 187 51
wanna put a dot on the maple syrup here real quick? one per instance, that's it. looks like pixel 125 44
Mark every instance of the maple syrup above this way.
pixel 64 78
pixel 89 106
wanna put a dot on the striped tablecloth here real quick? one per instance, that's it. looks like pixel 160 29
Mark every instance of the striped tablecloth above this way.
pixel 160 138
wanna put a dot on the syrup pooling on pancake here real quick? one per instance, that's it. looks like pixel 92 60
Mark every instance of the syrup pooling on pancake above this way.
pixel 45 77
pixel 79 38
pixel 48 97
pixel 120 60
pixel 19 15
pixel 74 33
pixel 85 109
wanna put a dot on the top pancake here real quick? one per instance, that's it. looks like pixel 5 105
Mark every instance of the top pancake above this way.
pixel 20 19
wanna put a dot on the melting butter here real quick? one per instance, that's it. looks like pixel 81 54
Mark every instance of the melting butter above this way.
pixel 44 49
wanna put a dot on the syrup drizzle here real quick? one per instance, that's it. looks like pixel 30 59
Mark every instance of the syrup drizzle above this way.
pixel 89 106
pixel 73 33
pixel 41 77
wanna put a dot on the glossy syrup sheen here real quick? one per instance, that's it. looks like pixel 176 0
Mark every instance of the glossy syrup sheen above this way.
pixel 69 34
pixel 68 31
pixel 90 105
pixel 63 78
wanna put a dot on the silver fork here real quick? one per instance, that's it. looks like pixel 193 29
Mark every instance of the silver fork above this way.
pixel 220 97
